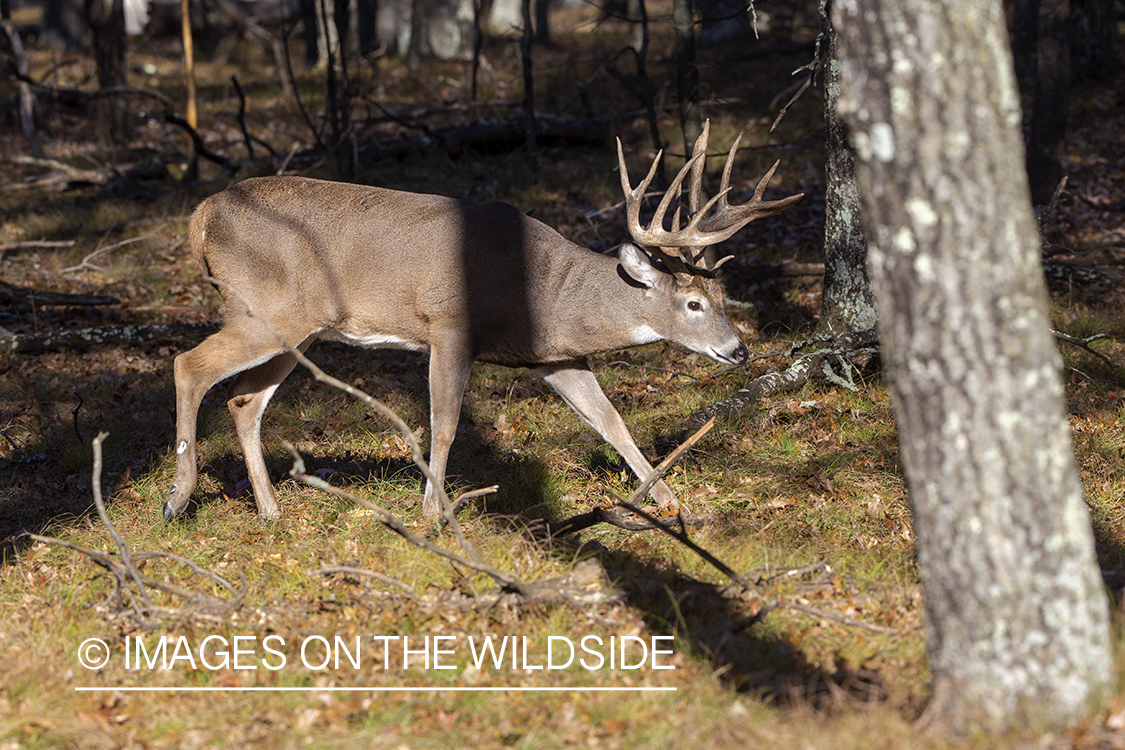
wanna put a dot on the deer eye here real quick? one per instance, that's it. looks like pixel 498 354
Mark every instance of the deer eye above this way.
pixel 694 306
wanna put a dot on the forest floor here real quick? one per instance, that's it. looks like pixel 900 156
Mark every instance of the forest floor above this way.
pixel 804 495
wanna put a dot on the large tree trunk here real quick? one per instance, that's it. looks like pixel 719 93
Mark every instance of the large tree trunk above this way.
pixel 848 303
pixel 1016 615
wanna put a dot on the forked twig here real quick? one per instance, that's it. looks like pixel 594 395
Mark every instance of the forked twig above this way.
pixel 1084 344
pixel 122 548
pixel 87 264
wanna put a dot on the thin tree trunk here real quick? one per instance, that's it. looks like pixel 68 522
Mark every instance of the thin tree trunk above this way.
pixel 107 22
pixel 1048 118
pixel 189 63
pixel 848 303
pixel 529 90
pixel 1016 614
pixel 26 98
pixel 687 72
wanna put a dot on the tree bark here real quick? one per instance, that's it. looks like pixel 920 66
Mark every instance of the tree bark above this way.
pixel 107 24
pixel 1048 117
pixel 848 303
pixel 1016 614
pixel 1095 39
pixel 687 73
pixel 64 24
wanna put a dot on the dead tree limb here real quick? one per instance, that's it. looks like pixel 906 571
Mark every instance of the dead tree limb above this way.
pixel 122 548
pixel 838 350
pixel 23 299
pixel 392 522
pixel 26 101
pixel 34 245
pixel 614 517
pixel 129 335
pixel 1084 344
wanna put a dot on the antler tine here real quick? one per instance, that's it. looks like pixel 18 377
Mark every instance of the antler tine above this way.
pixel 736 217
pixel 678 246
pixel 673 192
pixel 625 186
pixel 699 152
pixel 654 235
pixel 730 163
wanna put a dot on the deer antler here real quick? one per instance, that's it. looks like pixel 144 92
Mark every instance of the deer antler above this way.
pixel 686 246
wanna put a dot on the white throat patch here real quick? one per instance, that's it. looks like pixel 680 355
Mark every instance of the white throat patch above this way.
pixel 644 335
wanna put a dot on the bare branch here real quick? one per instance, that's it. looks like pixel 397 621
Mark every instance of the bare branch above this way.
pixel 122 548
pixel 1084 344
pixel 353 571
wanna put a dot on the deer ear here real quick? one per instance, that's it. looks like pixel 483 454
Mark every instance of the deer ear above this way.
pixel 637 265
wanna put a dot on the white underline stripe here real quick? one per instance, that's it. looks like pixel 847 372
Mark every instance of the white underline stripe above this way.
pixel 456 689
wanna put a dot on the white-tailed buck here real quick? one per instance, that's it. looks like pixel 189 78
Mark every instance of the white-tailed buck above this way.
pixel 461 281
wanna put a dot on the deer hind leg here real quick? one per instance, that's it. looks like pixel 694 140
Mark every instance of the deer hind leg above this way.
pixel 580 390
pixel 252 392
pixel 450 366
pixel 221 355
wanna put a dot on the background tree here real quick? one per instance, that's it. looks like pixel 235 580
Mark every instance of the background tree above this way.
pixel 107 24
pixel 848 303
pixel 1048 114
pixel 1016 615
pixel 687 72
pixel 64 23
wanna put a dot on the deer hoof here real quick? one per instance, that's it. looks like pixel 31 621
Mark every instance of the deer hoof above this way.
pixel 169 512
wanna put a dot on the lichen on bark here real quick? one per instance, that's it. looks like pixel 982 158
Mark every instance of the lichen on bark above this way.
pixel 1016 615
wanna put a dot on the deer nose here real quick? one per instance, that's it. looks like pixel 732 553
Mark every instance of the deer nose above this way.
pixel 740 354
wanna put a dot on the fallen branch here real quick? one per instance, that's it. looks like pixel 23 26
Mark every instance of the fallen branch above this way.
pixel 1084 344
pixel 87 265
pixel 823 614
pixel 72 174
pixel 815 364
pixel 129 335
pixel 392 522
pixel 24 298
pixel 34 245
pixel 614 517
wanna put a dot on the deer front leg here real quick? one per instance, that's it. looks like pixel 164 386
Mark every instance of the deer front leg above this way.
pixel 451 362
pixel 237 347
pixel 580 390
pixel 219 356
